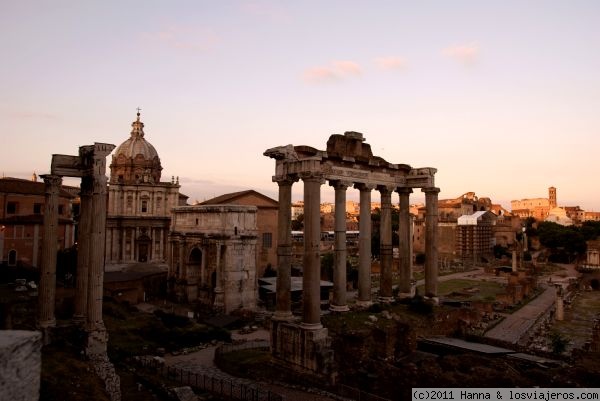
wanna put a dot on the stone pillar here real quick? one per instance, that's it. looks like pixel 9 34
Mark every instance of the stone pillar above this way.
pixel 339 302
pixel 311 280
pixel 364 246
pixel 283 308
pixel 431 242
pixel 514 261
pixel 219 293
pixel 385 244
pixel 97 338
pixel 47 290
pixel 182 273
pixel 83 250
pixel 560 306
pixel 405 237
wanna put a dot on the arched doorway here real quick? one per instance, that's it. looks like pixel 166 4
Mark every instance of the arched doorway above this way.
pixel 194 263
pixel 143 248
pixel 12 257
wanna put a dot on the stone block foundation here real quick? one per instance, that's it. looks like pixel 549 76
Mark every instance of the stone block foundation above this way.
pixel 304 350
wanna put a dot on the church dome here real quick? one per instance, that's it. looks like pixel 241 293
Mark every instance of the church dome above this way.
pixel 135 161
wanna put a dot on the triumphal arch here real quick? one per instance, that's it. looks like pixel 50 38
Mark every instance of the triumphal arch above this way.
pixel 348 162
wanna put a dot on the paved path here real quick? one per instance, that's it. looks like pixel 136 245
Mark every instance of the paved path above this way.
pixel 516 325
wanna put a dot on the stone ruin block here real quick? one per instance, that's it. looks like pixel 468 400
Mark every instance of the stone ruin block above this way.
pixel 21 367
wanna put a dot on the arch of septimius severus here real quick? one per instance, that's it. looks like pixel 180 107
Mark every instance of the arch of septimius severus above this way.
pixel 347 162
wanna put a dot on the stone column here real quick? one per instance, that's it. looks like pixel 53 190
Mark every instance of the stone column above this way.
pixel 83 250
pixel 364 246
pixel 97 338
pixel 405 254
pixel 219 293
pixel 283 308
pixel 311 280
pixel 560 308
pixel 339 302
pixel 385 244
pixel 47 290
pixel 431 242
pixel 182 273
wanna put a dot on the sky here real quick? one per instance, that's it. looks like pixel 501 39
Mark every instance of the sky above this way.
pixel 503 98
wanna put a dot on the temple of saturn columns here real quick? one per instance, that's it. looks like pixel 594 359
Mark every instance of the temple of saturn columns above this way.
pixel 90 166
pixel 347 162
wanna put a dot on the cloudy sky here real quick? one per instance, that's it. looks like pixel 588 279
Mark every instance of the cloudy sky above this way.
pixel 503 98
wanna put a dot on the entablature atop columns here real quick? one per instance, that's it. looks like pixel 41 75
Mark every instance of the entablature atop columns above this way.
pixel 347 159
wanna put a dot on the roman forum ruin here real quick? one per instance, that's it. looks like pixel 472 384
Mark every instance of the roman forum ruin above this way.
pixel 347 162
pixel 90 166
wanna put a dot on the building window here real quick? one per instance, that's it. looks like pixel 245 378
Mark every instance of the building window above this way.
pixel 12 207
pixel 12 257
pixel 267 240
pixel 37 208
pixel 144 206
pixel 61 209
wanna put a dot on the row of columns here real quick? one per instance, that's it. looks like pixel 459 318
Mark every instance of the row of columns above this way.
pixel 311 259
pixel 91 242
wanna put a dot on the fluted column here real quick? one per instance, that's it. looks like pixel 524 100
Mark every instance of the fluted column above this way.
pixel 385 237
pixel 431 241
pixel 219 294
pixel 96 252
pixel 283 308
pixel 97 339
pixel 47 290
pixel 311 281
pixel 339 302
pixel 364 246
pixel 83 250
pixel 405 239
pixel 182 273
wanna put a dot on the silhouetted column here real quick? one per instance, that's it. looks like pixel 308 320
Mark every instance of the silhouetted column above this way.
pixel 47 290
pixel 385 244
pixel 405 239
pixel 96 258
pixel 97 338
pixel 83 250
pixel 339 302
pixel 364 246
pixel 311 280
pixel 431 241
pixel 283 309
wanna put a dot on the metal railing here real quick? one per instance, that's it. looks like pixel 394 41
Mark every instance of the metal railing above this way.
pixel 223 387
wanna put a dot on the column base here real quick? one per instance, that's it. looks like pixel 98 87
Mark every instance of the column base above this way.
pixel 79 320
pixel 386 300
pixel 405 295
pixel 311 326
pixel 339 308
pixel 364 304
pixel 283 316
pixel 432 300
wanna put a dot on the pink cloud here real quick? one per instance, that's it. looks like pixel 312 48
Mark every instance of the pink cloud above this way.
pixel 390 63
pixel 336 71
pixel 345 67
pixel 320 74
pixel 466 54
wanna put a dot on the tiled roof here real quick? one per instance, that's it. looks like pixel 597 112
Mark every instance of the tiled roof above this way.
pixel 26 187
pixel 226 198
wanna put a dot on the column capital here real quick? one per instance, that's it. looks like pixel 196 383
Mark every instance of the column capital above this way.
pixel 339 184
pixel 312 176
pixel 404 190
pixel 285 180
pixel 430 190
pixel 52 179
pixel 364 186
pixel 386 189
